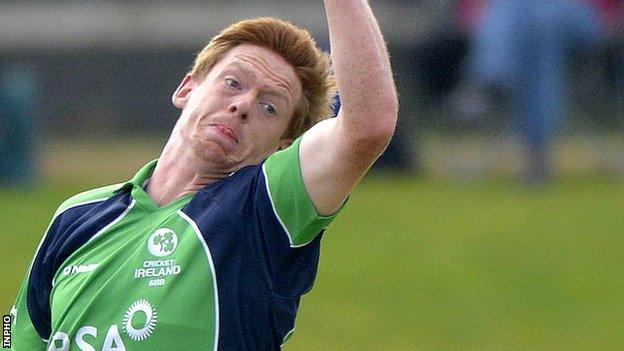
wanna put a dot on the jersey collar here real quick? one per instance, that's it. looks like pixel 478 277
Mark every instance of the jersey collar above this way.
pixel 140 177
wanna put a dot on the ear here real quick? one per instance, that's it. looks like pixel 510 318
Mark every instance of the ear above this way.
pixel 284 143
pixel 182 93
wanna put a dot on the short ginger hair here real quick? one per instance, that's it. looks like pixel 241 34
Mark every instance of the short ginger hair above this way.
pixel 311 65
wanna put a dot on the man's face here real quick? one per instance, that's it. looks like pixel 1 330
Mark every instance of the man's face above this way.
pixel 238 114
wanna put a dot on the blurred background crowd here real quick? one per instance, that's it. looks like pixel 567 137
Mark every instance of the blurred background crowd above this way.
pixel 487 87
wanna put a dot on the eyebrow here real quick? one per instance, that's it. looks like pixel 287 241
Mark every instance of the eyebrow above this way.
pixel 279 93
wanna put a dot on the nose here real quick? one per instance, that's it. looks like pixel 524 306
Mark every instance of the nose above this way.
pixel 239 110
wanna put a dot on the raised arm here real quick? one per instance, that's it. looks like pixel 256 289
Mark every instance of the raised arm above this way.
pixel 336 153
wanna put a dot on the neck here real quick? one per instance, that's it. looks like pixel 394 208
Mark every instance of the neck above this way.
pixel 180 172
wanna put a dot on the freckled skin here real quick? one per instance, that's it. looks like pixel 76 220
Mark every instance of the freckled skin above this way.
pixel 224 124
pixel 252 92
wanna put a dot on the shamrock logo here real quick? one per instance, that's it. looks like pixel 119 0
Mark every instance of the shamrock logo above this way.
pixel 162 242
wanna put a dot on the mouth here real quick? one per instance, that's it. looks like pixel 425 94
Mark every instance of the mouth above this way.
pixel 226 131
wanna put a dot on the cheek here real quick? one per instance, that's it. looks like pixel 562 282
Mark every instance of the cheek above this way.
pixel 208 100
pixel 265 135
pixel 276 128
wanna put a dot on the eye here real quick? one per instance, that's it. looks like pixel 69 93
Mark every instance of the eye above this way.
pixel 232 83
pixel 268 108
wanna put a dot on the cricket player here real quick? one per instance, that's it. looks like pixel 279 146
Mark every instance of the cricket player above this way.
pixel 211 246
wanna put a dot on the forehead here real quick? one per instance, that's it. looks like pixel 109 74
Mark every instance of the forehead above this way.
pixel 268 63
pixel 266 56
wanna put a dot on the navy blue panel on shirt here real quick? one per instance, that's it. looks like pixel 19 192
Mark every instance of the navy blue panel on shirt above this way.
pixel 260 278
pixel 70 230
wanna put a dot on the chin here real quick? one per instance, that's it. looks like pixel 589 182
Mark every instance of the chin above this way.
pixel 214 154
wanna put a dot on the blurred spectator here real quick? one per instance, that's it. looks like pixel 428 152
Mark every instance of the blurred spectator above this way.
pixel 18 125
pixel 426 71
pixel 518 57
pixel 437 59
pixel 401 155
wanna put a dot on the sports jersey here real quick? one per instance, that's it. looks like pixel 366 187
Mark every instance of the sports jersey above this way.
pixel 223 268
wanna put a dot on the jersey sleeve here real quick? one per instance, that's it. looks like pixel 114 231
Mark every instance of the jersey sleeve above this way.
pixel 23 334
pixel 30 324
pixel 290 199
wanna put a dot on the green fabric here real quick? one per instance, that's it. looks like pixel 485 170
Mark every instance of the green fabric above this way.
pixel 121 294
pixel 86 197
pixel 24 336
pixel 124 289
pixel 145 172
pixel 131 286
pixel 290 198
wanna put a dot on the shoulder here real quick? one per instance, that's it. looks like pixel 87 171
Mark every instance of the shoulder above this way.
pixel 58 243
pixel 88 197
pixel 289 198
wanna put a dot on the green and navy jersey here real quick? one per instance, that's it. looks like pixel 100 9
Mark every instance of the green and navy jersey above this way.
pixel 222 269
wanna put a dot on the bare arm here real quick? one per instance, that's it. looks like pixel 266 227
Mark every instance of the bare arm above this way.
pixel 336 153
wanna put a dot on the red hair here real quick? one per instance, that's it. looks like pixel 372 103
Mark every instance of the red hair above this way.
pixel 311 65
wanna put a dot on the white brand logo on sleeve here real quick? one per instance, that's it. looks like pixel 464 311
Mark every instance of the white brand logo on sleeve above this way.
pixel 162 242
pixel 80 268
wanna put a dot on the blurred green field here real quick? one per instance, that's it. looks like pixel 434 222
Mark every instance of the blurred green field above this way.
pixel 433 265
